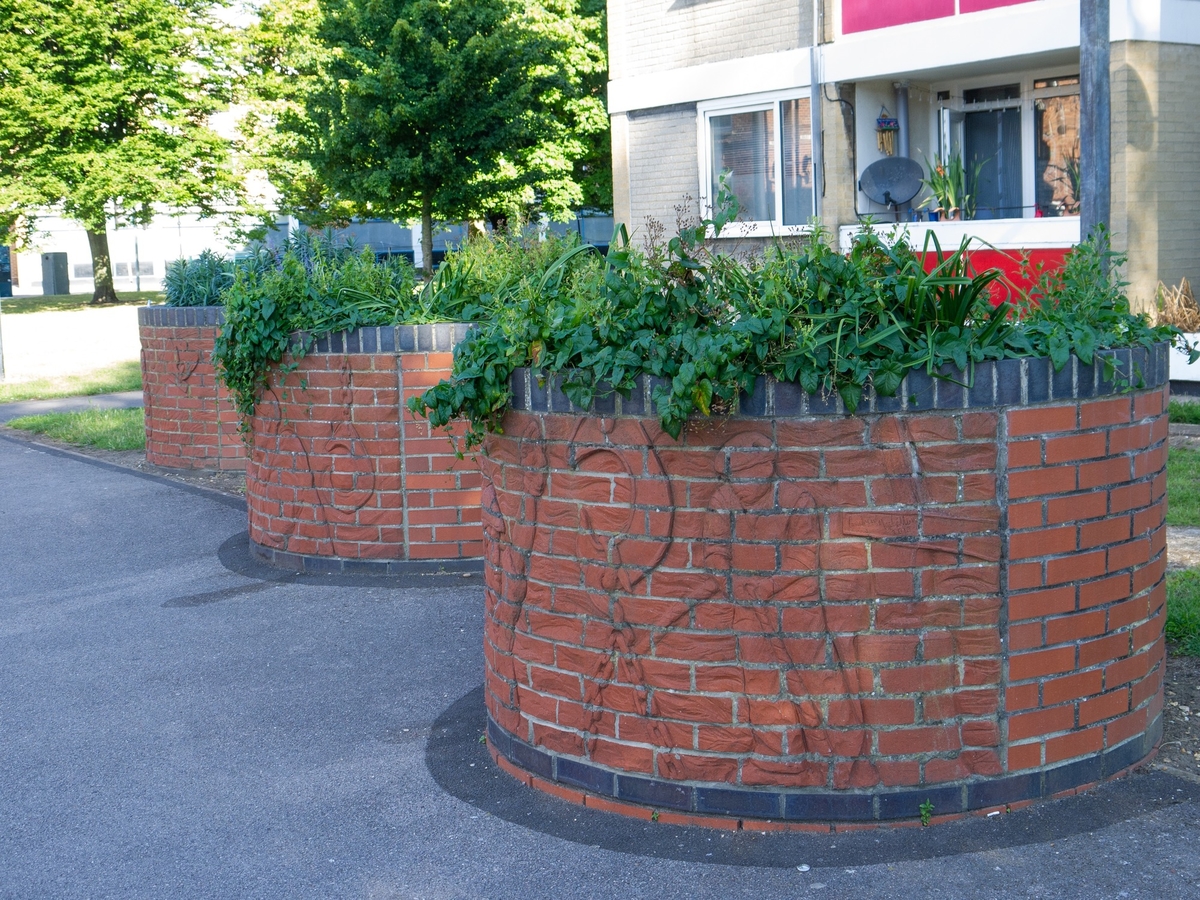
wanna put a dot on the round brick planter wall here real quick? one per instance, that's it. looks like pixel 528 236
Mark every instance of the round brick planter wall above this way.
pixel 955 596
pixel 342 478
pixel 191 421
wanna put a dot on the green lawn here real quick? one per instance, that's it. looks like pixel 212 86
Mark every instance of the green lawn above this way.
pixel 126 376
pixel 1183 487
pixel 13 306
pixel 1184 412
pixel 1183 611
pixel 106 429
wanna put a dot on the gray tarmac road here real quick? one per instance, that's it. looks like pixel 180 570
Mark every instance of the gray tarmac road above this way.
pixel 178 722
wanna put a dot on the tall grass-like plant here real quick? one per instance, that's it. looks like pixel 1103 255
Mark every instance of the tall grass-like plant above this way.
pixel 202 281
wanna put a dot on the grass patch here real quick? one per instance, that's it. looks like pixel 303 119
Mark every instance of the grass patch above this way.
pixel 1183 487
pixel 15 306
pixel 1183 412
pixel 1183 611
pixel 124 376
pixel 106 429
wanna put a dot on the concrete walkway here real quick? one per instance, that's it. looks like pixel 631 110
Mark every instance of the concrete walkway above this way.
pixel 122 400
pixel 178 722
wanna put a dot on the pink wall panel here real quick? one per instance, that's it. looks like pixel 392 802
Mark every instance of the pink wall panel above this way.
pixel 866 15
pixel 969 6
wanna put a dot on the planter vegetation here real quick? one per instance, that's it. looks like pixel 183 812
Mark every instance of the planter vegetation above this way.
pixel 915 566
pixel 321 353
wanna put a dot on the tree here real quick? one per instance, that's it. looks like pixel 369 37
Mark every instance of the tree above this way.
pixel 104 108
pixel 431 109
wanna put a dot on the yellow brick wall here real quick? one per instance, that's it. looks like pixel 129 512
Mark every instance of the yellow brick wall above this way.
pixel 1155 215
pixel 656 35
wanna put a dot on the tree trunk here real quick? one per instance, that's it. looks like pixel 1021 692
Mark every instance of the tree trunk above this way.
pixel 102 271
pixel 427 235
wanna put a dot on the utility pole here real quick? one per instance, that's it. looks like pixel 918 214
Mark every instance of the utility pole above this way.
pixel 1095 116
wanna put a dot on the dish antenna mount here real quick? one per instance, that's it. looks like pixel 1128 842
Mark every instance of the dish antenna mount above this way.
pixel 892 181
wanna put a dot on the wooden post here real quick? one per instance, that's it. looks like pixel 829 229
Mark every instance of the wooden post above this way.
pixel 1095 101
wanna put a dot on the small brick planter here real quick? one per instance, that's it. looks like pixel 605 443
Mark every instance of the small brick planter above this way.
pixel 342 478
pixel 955 596
pixel 191 421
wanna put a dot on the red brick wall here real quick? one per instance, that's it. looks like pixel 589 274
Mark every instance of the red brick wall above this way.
pixel 337 470
pixel 828 602
pixel 191 421
pixel 1086 607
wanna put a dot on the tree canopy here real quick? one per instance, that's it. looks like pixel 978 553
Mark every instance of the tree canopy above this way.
pixel 104 110
pixel 437 109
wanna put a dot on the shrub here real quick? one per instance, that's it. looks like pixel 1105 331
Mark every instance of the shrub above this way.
pixel 708 324
pixel 275 303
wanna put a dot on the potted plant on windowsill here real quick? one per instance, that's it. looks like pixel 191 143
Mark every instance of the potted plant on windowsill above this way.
pixel 948 183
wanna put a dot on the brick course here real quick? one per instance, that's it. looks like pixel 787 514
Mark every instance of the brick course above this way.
pixel 191 421
pixel 339 468
pixel 746 607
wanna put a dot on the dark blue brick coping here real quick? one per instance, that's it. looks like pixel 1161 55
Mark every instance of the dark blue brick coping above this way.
pixel 181 316
pixel 383 339
pixel 1006 382
pixel 818 805
pixel 335 565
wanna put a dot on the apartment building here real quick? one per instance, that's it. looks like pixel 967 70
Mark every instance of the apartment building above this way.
pixel 792 100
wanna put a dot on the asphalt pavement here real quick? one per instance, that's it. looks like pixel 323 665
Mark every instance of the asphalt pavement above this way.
pixel 178 721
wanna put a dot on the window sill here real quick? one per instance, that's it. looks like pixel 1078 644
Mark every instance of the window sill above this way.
pixel 1003 234
pixel 735 230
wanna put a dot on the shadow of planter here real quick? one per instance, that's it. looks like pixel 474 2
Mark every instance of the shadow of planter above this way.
pixel 342 477
pixel 191 420
pixel 955 597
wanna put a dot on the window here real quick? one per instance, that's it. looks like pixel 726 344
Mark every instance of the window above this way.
pixel 1056 165
pixel 83 270
pixel 1019 143
pixel 121 270
pixel 764 152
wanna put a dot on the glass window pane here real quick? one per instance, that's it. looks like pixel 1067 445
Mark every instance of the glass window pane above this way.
pixel 1056 159
pixel 797 162
pixel 744 151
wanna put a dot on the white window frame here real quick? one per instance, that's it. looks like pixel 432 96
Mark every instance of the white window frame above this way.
pixel 751 103
pixel 1025 102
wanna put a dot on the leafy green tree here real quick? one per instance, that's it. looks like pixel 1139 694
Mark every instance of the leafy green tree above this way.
pixel 430 109
pixel 104 108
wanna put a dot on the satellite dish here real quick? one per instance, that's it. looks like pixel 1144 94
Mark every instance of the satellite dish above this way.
pixel 892 180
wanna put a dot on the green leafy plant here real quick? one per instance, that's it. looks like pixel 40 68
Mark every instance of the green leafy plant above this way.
pixel 275 304
pixel 1082 308
pixel 926 811
pixel 706 324
pixel 202 281
pixel 950 185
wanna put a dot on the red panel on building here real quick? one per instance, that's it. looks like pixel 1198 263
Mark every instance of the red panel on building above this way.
pixel 866 15
pixel 1020 267
pixel 970 6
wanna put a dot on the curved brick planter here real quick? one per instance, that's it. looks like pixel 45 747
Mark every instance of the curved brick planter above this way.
pixel 341 477
pixel 191 421
pixel 955 597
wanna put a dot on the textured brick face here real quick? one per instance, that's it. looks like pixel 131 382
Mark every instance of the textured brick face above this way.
pixel 844 604
pixel 191 421
pixel 337 469
pixel 1086 602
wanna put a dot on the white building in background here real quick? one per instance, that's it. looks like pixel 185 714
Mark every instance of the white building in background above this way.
pixel 140 255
